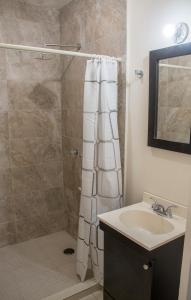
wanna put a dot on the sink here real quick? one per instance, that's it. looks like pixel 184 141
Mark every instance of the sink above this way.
pixel 140 224
pixel 146 221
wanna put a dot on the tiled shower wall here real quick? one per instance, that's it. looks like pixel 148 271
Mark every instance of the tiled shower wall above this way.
pixel 31 179
pixel 100 27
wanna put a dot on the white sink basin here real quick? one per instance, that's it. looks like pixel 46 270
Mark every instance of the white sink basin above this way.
pixel 143 220
pixel 139 223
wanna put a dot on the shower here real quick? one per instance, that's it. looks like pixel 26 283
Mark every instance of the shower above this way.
pixel 44 48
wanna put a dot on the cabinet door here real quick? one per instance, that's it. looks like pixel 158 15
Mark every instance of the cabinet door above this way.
pixel 127 271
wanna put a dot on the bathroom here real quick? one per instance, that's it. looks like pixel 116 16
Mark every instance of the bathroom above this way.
pixel 58 60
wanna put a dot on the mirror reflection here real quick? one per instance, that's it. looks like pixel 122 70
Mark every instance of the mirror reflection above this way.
pixel 174 99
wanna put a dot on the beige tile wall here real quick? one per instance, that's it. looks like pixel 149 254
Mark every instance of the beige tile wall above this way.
pixel 31 170
pixel 100 27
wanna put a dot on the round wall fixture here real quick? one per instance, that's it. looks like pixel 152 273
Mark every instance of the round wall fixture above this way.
pixel 182 32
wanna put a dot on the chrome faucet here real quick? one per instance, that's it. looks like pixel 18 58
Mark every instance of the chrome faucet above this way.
pixel 160 209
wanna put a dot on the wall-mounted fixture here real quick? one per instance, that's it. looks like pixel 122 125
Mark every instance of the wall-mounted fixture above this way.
pixel 74 152
pixel 178 32
pixel 182 32
pixel 139 74
pixel 75 46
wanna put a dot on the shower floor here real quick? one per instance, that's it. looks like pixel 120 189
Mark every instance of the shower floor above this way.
pixel 35 269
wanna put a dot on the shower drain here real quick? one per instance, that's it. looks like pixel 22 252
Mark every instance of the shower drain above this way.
pixel 68 251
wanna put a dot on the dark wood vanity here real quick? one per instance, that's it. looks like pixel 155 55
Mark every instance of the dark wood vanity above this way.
pixel 133 273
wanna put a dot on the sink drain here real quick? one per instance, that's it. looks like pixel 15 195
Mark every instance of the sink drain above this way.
pixel 68 251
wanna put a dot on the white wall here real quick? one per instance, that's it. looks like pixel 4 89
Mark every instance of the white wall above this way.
pixel 186 265
pixel 161 172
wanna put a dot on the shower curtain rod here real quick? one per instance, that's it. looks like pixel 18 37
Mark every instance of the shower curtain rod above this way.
pixel 51 51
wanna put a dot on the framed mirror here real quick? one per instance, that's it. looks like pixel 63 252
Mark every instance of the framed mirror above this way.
pixel 170 99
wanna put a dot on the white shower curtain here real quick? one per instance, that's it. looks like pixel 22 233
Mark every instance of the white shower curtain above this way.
pixel 101 166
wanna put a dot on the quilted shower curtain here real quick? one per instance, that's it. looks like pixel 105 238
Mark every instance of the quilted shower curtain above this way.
pixel 101 166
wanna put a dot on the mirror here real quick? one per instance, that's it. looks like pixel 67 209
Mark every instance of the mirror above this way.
pixel 170 99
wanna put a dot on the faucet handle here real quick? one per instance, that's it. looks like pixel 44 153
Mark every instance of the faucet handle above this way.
pixel 169 210
pixel 155 203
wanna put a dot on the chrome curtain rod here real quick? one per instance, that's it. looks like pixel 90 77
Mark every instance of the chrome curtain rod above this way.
pixel 174 66
pixel 52 51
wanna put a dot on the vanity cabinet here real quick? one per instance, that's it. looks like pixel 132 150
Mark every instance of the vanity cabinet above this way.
pixel 133 273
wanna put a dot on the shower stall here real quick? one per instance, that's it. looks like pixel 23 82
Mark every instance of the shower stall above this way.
pixel 41 137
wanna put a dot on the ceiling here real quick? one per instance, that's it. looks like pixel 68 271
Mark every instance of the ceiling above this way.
pixel 51 3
